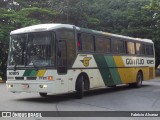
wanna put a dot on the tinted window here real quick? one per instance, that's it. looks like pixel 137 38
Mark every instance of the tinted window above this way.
pixel 149 50
pixel 118 46
pixel 63 34
pixel 79 43
pixel 140 49
pixel 87 42
pixel 69 37
pixel 130 47
pixel 102 44
pixel 71 48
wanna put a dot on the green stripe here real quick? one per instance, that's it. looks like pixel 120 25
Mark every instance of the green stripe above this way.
pixel 113 70
pixel 27 72
pixel 33 73
pixel 104 70
pixel 30 73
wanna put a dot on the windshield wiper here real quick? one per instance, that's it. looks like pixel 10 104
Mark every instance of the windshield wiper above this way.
pixel 15 67
pixel 35 66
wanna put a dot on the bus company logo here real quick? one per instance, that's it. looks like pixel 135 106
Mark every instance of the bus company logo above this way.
pixel 85 61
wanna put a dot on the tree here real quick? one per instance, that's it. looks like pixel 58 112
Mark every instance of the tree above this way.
pixel 154 9
pixel 135 18
pixel 10 20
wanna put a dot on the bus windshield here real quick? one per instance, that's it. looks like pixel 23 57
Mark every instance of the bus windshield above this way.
pixel 33 49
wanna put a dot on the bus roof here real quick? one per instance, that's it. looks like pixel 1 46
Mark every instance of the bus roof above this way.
pixel 40 27
pixel 48 27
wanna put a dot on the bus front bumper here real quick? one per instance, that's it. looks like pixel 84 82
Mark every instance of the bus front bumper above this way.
pixel 18 86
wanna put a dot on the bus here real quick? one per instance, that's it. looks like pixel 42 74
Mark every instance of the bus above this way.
pixel 62 58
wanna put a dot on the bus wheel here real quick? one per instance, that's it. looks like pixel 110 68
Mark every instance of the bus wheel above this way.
pixel 139 80
pixel 43 94
pixel 80 87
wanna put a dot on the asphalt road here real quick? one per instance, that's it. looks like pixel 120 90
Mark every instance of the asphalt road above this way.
pixel 121 98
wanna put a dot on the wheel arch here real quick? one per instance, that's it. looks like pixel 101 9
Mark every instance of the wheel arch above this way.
pixel 86 80
pixel 141 71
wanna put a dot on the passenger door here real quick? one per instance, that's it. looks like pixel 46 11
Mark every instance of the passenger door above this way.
pixel 61 80
pixel 62 57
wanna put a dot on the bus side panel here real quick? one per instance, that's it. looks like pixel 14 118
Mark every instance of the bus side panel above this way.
pixel 127 74
pixel 145 71
pixel 86 63
pixel 151 72
pixel 108 69
pixel 148 73
pixel 121 69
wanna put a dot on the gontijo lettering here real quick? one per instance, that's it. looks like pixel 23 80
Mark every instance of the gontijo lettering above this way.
pixel 134 61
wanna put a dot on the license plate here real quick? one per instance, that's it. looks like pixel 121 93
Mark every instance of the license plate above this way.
pixel 25 86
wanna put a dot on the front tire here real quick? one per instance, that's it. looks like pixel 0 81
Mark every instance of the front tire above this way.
pixel 80 87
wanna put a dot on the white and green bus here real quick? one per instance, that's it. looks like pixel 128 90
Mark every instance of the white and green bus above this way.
pixel 62 58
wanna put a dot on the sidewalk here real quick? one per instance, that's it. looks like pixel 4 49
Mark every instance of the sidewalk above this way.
pixel 2 81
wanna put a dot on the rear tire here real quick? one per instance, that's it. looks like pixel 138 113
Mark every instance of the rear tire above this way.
pixel 139 80
pixel 43 94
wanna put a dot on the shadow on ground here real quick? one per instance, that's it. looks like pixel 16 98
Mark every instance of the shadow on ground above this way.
pixel 71 96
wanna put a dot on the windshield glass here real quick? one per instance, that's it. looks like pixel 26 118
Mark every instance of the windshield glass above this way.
pixel 39 49
pixel 35 49
pixel 17 49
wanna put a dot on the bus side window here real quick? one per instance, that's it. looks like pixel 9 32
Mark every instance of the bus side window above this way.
pixel 68 35
pixel 103 44
pixel 130 48
pixel 79 42
pixel 149 50
pixel 140 49
pixel 70 47
pixel 118 46
pixel 87 42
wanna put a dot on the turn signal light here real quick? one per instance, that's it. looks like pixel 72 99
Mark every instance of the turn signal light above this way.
pixel 50 77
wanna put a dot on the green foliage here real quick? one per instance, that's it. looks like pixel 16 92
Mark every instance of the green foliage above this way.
pixel 11 19
pixel 154 9
pixel 135 18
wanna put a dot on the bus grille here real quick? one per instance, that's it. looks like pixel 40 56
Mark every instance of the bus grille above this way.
pixel 19 78
pixel 31 78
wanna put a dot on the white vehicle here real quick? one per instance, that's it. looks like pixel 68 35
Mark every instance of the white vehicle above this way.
pixel 61 58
